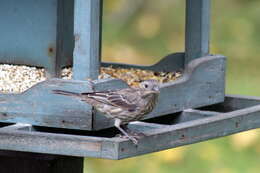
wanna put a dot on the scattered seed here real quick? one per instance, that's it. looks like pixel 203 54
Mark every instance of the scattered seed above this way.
pixel 18 78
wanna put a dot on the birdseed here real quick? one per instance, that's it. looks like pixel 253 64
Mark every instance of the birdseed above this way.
pixel 18 78
pixel 134 76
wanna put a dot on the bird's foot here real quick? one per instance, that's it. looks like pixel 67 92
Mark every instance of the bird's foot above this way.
pixel 132 138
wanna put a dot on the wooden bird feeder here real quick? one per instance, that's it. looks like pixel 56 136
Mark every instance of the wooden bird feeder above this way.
pixel 58 33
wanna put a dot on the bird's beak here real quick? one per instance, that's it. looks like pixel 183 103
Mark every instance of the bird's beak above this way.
pixel 156 89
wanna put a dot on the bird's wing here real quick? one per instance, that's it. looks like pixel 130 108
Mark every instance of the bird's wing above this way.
pixel 115 98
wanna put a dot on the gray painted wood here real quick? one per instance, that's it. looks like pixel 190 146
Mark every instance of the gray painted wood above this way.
pixel 232 103
pixel 209 125
pixel 194 131
pixel 203 78
pixel 65 37
pixel 193 114
pixel 171 62
pixel 39 106
pixel 87 36
pixel 19 126
pixel 61 144
pixel 197 29
pixel 144 127
pixel 34 43
pixel 45 35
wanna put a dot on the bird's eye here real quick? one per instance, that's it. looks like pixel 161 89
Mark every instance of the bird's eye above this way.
pixel 145 85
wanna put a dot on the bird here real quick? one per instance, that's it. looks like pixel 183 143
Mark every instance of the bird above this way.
pixel 122 105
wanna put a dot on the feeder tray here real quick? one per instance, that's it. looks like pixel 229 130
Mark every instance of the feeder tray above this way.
pixel 236 114
pixel 54 34
pixel 203 78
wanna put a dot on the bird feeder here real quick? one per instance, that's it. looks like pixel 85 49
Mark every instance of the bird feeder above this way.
pixel 58 33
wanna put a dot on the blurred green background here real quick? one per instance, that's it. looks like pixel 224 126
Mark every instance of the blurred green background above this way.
pixel 143 31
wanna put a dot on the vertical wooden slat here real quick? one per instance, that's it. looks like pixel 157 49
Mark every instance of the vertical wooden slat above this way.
pixel 59 37
pixel 65 38
pixel 197 29
pixel 87 35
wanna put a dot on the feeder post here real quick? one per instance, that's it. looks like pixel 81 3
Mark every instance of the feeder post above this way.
pixel 197 29
pixel 87 36
pixel 22 162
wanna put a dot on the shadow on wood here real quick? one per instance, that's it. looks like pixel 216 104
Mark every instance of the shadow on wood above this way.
pixel 21 162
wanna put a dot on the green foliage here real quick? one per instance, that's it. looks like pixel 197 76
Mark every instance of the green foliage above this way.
pixel 143 31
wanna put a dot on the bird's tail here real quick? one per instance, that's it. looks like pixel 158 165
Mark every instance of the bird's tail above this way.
pixel 66 93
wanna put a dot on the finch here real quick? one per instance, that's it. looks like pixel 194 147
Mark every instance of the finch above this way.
pixel 123 105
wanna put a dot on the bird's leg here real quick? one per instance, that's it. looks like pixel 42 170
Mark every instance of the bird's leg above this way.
pixel 117 125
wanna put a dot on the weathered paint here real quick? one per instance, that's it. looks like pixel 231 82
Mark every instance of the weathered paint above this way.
pixel 45 34
pixel 203 78
pixel 65 37
pixel 39 106
pixel 194 131
pixel 206 125
pixel 87 36
pixel 197 29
